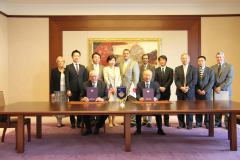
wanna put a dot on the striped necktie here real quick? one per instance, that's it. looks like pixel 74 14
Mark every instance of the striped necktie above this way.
pixel 201 72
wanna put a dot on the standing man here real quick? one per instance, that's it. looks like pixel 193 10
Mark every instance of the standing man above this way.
pixel 76 74
pixel 95 65
pixel 223 82
pixel 129 70
pixel 185 80
pixel 164 76
pixel 204 88
pixel 147 120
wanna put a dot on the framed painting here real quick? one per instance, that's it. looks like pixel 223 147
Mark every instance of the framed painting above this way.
pixel 115 46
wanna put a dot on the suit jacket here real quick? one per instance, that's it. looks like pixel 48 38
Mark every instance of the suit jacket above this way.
pixel 102 89
pixel 205 83
pixel 153 85
pixel 131 74
pixel 224 80
pixel 150 67
pixel 165 81
pixel 55 80
pixel 74 80
pixel 191 81
pixel 90 67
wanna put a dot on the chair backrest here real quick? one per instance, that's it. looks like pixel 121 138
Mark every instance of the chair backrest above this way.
pixel 2 101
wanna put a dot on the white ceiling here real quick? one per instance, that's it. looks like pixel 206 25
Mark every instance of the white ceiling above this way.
pixel 119 7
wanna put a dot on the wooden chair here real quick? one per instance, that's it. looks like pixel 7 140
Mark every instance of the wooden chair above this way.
pixel 12 122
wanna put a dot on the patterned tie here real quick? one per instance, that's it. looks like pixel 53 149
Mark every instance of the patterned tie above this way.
pixel 147 85
pixel 94 85
pixel 219 69
pixel 201 72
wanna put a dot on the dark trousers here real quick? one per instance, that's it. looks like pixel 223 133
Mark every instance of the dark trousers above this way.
pixel 75 97
pixel 199 117
pixel 99 124
pixel 158 120
pixel 181 117
pixel 166 116
pixel 218 118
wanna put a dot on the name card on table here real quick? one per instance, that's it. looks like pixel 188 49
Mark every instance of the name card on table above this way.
pixel 223 95
pixel 92 93
pixel 148 94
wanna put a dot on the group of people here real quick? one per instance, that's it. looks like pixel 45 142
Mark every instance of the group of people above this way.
pixel 191 83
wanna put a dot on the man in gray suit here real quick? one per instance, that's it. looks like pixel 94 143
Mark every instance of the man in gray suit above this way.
pixel 146 66
pixel 204 88
pixel 95 65
pixel 223 82
pixel 129 70
pixel 185 80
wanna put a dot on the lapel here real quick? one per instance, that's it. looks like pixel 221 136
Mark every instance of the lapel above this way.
pixel 74 69
pixel 222 69
pixel 182 72
pixel 129 63
pixel 188 71
pixel 205 72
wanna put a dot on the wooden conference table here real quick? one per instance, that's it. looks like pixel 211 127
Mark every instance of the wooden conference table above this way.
pixel 40 109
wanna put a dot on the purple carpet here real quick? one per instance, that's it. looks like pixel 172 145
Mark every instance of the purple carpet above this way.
pixel 67 144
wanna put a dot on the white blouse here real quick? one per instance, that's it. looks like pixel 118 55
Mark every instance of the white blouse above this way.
pixel 112 76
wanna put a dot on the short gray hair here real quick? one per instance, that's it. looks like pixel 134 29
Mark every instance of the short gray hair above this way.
pixel 220 53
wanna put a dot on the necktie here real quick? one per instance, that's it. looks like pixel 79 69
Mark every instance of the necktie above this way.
pixel 94 85
pixel 145 67
pixel 219 69
pixel 162 71
pixel 201 72
pixel 147 85
pixel 77 68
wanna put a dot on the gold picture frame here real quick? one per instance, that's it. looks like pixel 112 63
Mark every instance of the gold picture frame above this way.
pixel 115 46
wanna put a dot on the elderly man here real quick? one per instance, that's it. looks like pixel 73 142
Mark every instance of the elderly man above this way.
pixel 185 80
pixel 223 82
pixel 102 96
pixel 144 84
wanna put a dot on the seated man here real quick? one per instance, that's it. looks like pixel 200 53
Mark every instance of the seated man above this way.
pixel 101 97
pixel 147 83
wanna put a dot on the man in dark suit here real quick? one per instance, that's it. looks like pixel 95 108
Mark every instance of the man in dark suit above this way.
pixel 204 88
pixel 76 74
pixel 164 76
pixel 185 80
pixel 147 120
pixel 223 82
pixel 102 96
pixel 147 83
pixel 95 65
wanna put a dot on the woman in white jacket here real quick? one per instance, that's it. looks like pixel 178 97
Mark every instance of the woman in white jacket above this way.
pixel 112 78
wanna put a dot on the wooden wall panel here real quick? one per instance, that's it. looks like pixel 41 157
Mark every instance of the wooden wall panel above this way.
pixel 58 24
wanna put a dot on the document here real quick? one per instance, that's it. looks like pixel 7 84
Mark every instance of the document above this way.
pixel 148 94
pixel 92 93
